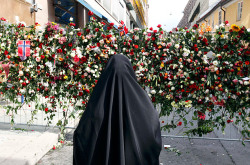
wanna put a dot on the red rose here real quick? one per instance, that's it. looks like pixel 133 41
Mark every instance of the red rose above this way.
pixel 70 44
pixel 204 40
pixel 153 99
pixel 90 13
pixel 111 24
pixel 46 109
pixel 136 46
pixel 159 26
pixel 151 29
pixel 80 93
pixel 155 31
pixel 6 52
pixel 96 29
pixel 179 124
pixel 103 23
pixel 195 26
pixel 79 33
pixel 23 84
pixel 42 56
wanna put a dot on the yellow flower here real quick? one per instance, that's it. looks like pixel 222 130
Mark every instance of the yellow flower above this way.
pixel 65 77
pixel 222 36
pixel 162 64
pixel 220 86
pixel 235 28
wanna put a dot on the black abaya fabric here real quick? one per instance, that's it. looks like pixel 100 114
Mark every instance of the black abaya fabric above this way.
pixel 120 126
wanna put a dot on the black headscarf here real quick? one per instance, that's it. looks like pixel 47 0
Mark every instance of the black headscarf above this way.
pixel 120 126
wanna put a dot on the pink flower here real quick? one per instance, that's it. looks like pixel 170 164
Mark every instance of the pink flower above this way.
pixel 62 40
pixel 38 59
pixel 235 81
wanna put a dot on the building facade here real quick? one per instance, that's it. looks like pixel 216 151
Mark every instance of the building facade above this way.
pixel 132 12
pixel 234 11
pixel 186 13
pixel 215 12
pixel 16 11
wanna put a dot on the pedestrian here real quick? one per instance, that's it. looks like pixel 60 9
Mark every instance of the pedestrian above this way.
pixel 120 125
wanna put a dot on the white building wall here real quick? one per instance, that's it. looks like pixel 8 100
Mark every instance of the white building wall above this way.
pixel 47 14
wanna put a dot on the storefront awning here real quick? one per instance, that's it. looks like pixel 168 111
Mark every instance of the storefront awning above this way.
pixel 84 3
pixel 96 7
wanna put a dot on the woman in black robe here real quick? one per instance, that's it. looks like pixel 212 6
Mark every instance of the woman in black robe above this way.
pixel 120 126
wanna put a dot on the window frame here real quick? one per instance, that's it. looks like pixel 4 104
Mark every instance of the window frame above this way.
pixel 220 17
pixel 239 10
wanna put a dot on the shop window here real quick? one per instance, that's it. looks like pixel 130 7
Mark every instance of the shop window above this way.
pixel 64 10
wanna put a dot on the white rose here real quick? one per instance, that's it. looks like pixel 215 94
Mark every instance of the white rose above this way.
pixel 72 54
pixel 87 69
pixel 101 41
pixel 136 37
pixel 153 92
pixel 215 63
pixel 20 73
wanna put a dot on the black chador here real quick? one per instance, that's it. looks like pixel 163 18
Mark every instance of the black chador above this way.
pixel 120 126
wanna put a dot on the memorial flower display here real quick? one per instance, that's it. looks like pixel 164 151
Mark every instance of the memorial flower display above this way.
pixel 188 71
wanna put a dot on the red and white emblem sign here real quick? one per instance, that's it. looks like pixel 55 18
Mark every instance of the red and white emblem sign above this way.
pixel 23 48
